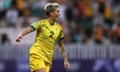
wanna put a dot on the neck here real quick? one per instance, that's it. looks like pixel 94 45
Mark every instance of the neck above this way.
pixel 51 21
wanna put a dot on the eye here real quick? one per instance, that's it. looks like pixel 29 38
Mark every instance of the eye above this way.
pixel 58 11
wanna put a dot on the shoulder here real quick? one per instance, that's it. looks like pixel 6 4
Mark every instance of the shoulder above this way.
pixel 43 20
pixel 59 26
pixel 37 22
pixel 40 22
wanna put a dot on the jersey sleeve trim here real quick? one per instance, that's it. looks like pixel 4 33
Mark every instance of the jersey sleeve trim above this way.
pixel 33 28
pixel 61 38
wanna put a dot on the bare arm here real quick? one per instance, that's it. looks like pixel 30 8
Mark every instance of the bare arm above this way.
pixel 23 33
pixel 64 55
pixel 62 50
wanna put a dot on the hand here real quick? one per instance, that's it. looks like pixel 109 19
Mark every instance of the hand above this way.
pixel 19 37
pixel 67 65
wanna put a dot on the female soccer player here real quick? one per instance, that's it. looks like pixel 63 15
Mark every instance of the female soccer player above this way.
pixel 48 32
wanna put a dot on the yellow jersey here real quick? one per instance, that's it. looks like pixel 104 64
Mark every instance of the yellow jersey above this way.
pixel 46 37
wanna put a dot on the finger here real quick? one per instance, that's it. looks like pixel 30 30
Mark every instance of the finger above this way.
pixel 20 37
pixel 68 70
pixel 67 67
pixel 17 40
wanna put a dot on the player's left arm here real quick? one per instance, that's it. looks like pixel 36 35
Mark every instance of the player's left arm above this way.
pixel 64 54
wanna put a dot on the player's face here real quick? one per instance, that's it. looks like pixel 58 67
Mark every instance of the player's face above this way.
pixel 56 14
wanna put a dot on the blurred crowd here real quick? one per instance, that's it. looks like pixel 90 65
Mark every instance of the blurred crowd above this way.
pixel 84 21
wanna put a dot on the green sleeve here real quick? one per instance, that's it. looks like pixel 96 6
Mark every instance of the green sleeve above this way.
pixel 36 25
pixel 61 37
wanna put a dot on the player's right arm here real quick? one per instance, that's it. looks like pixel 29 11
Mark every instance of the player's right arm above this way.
pixel 27 30
pixel 23 33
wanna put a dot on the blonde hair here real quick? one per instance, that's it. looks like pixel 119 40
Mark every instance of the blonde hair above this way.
pixel 50 4
pixel 49 7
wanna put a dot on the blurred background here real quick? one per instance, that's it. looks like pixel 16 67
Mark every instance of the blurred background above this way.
pixel 91 28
